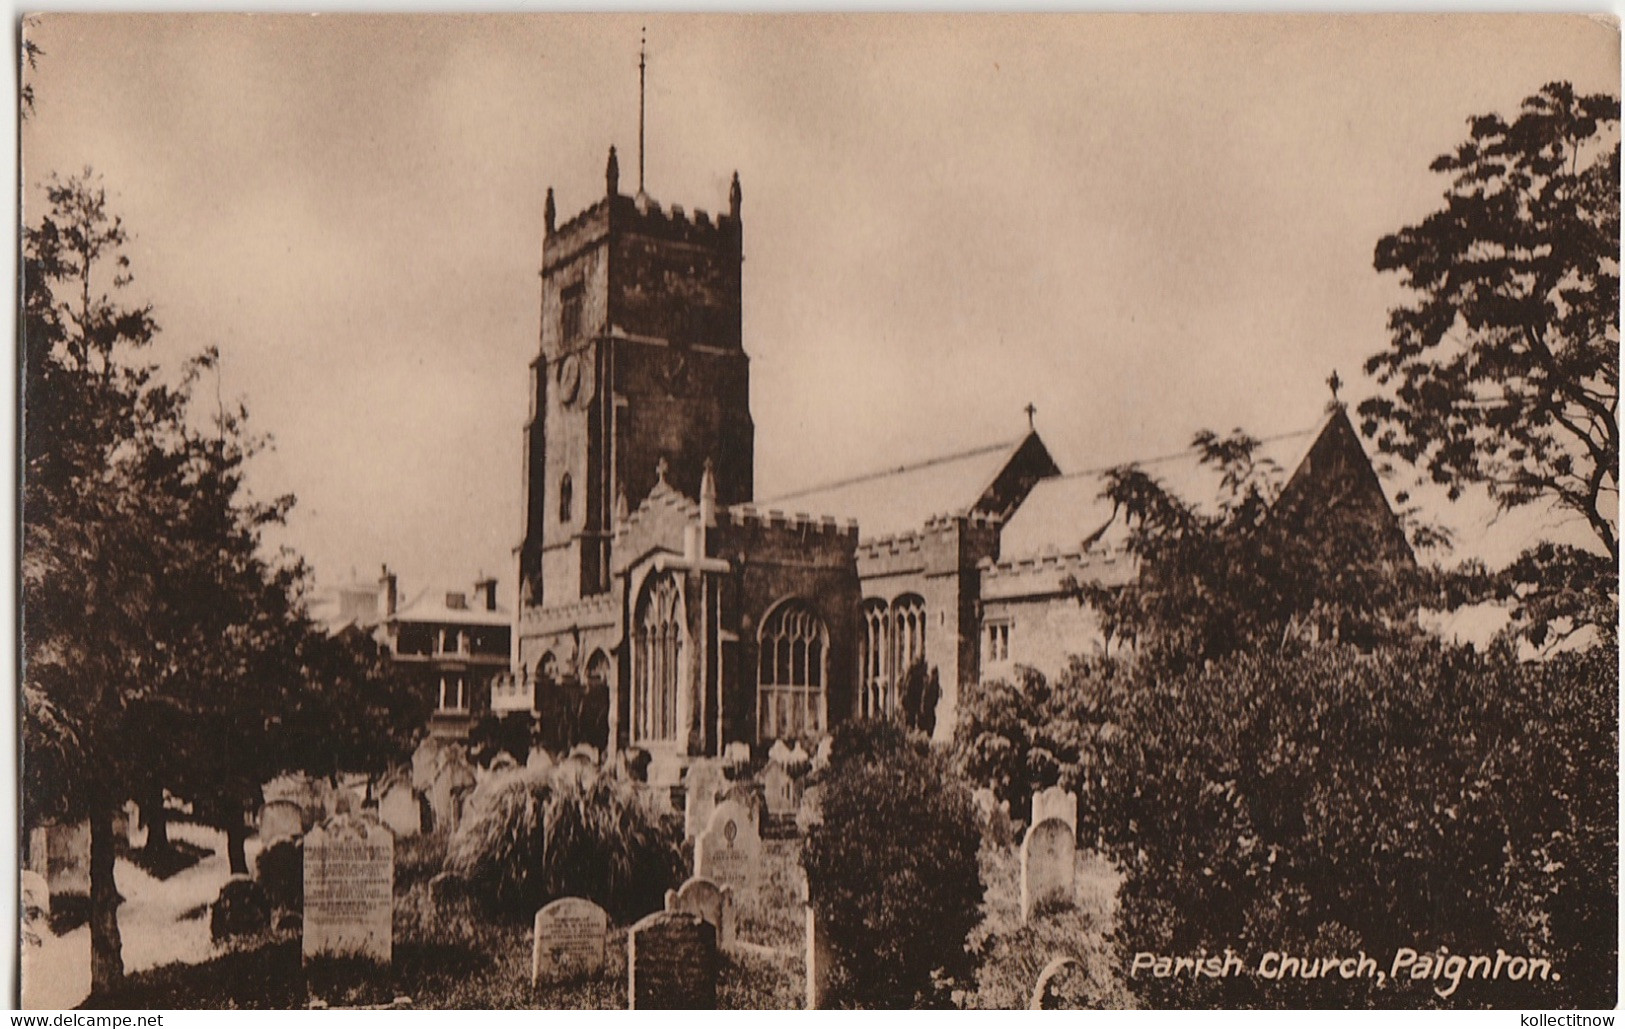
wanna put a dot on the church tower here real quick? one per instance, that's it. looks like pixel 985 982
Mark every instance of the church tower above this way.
pixel 641 374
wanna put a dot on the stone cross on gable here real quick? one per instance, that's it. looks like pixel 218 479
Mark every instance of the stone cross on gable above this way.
pixel 1031 410
pixel 661 468
pixel 1335 383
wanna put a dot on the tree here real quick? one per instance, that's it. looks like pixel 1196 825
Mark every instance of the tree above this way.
pixel 1325 800
pixel 1267 563
pixel 1503 369
pixel 95 429
pixel 892 872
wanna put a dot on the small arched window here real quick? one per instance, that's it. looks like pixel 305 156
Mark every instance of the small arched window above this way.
pixel 566 497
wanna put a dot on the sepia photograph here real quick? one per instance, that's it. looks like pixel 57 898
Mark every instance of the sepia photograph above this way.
pixel 766 511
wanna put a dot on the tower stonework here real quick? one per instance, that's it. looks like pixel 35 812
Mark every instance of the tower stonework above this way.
pixel 641 367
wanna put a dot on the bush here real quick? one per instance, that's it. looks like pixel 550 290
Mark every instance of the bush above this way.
pixel 241 910
pixel 535 836
pixel 1331 801
pixel 892 871
pixel 280 871
pixel 1024 736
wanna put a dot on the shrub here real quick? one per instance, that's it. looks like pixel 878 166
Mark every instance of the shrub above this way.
pixel 892 871
pixel 280 871
pixel 1020 737
pixel 1330 801
pixel 535 835
pixel 241 910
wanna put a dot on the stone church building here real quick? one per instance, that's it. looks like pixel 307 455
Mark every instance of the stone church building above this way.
pixel 648 573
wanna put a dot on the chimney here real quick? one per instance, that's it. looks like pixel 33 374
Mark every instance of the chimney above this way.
pixel 487 587
pixel 387 592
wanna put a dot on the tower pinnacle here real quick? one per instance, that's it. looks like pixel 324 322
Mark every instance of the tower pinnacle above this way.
pixel 612 174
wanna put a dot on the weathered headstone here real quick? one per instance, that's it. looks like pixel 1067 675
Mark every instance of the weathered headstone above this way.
pixel 503 762
pixel 538 758
pixel 1056 803
pixel 701 782
pixel 818 960
pixel 1059 985
pixel 349 889
pixel 798 761
pixel 821 753
pixel 811 811
pixel 398 809
pixel 779 752
pixel 569 938
pixel 671 962
pixel 744 793
pixel 281 820
pixel 729 851
pixel 584 752
pixel 453 780
pixel 737 753
pixel 712 903
pixel 782 791
pixel 61 853
pixel 1048 860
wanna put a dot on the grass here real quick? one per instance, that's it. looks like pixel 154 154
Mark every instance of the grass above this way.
pixel 1011 954
pixel 455 958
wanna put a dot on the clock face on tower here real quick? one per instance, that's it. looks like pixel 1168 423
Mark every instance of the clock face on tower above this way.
pixel 569 378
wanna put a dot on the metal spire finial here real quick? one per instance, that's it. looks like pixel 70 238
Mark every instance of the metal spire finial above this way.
pixel 1031 411
pixel 643 41
pixel 1335 383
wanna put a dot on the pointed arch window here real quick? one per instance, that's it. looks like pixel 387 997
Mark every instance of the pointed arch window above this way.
pixel 792 674
pixel 566 498
pixel 908 634
pixel 877 699
pixel 657 650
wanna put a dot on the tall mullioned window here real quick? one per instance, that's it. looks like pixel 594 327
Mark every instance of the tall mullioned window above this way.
pixel 792 674
pixel 657 650
pixel 877 699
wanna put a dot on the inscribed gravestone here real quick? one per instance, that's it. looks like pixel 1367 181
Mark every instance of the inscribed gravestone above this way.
pixel 569 940
pixel 1056 803
pixel 744 793
pixel 349 889
pixel 1048 857
pixel 61 853
pixel 701 782
pixel 710 902
pixel 671 962
pixel 281 819
pixel 729 851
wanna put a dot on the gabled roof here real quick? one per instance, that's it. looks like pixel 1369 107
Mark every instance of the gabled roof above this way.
pixel 1063 513
pixel 430 606
pixel 991 479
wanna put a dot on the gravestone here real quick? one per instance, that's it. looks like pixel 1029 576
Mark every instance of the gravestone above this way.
pixel 61 853
pixel 399 809
pixel 778 752
pixel 1048 860
pixel 712 903
pixel 744 793
pixel 503 762
pixel 818 961
pixel 810 812
pixel 671 962
pixel 729 851
pixel 349 889
pixel 538 758
pixel 1056 803
pixel 737 753
pixel 453 779
pixel 701 783
pixel 798 758
pixel 584 752
pixel 782 791
pixel 568 941
pixel 821 753
pixel 1060 985
pixel 281 820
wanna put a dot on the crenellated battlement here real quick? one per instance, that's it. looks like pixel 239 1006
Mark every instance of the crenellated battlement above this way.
pixel 588 610
pixel 748 515
pixel 1045 572
pixel 640 216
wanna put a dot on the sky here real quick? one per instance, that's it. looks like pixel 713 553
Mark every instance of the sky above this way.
pixel 1145 225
